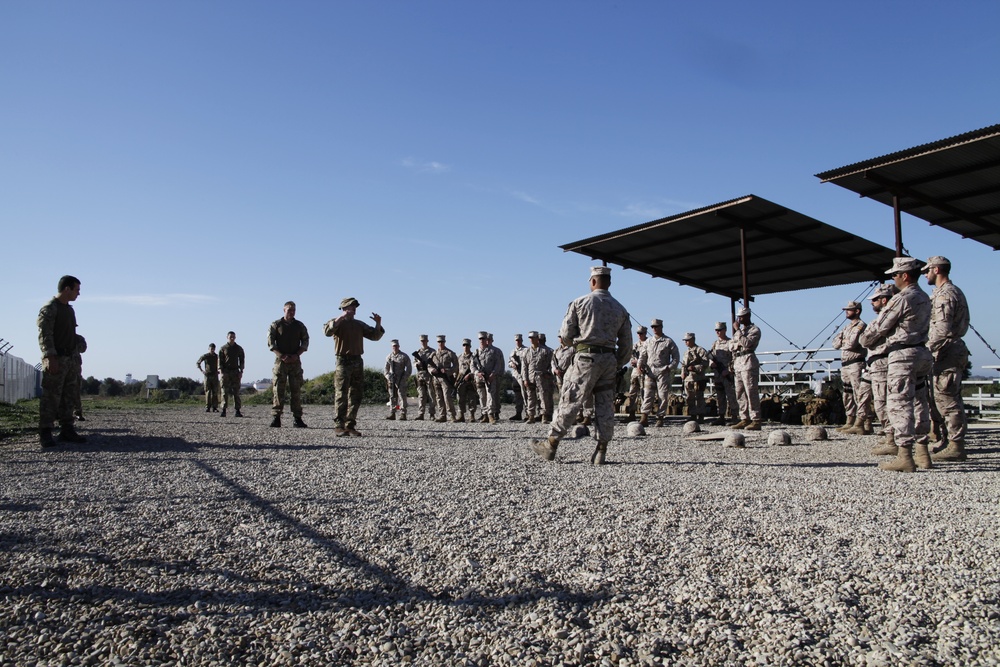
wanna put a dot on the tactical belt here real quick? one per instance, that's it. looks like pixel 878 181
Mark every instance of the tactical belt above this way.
pixel 348 357
pixel 593 349
pixel 875 357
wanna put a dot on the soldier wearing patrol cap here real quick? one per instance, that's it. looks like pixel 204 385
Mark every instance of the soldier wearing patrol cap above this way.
pixel 349 335
pixel 425 383
pixel 903 325
pixel 724 380
pixel 658 361
pixel 746 369
pixel 949 323
pixel 598 326
pixel 443 371
pixel 288 338
pixel 516 364
pixel 487 364
pixel 636 380
pixel 694 365
pixel 465 383
pixel 397 376
pixel 857 395
pixel 877 366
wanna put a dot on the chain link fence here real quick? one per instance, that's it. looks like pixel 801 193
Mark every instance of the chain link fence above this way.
pixel 18 379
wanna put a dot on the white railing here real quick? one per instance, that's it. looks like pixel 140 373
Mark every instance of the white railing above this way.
pixel 18 379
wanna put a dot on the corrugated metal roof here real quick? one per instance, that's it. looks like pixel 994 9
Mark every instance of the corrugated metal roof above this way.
pixel 953 183
pixel 786 250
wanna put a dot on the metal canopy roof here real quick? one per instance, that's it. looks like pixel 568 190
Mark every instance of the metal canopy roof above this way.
pixel 953 183
pixel 784 250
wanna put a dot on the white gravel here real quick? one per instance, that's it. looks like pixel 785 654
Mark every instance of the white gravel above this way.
pixel 176 537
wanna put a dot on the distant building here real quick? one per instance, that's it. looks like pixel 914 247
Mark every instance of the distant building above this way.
pixel 130 380
pixel 262 385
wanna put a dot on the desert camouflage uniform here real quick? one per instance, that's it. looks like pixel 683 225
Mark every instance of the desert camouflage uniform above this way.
pixel 599 329
pixel 287 338
pixel 516 364
pixel 724 380
pixel 949 323
pixel 659 357
pixel 488 362
pixel 637 379
pixel 397 374
pixel 903 325
pixel 211 371
pixel 538 378
pixel 57 336
pixel 232 360
pixel 746 368
pixel 857 394
pixel 425 382
pixel 562 359
pixel 444 382
pixel 694 365
pixel 877 369
pixel 465 388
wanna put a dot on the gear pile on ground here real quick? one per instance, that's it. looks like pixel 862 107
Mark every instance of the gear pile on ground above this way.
pixel 175 537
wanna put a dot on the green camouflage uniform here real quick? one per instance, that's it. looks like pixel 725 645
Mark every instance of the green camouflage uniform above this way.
pixel 231 362
pixel 287 338
pixel 211 371
pixel 60 388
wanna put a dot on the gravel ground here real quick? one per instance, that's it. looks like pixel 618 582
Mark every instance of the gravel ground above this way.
pixel 177 537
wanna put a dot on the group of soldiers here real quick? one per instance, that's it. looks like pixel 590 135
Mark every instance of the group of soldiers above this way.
pixel 906 367
pixel 230 360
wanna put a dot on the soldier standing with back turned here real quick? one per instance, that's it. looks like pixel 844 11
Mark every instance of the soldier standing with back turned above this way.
pixel 598 326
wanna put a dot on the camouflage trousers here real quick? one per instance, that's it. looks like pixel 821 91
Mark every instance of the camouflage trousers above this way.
pixel 908 394
pixel 231 389
pixel 518 396
pixel 397 393
pixel 725 396
pixel 539 390
pixel 425 392
pixel 468 397
pixel 591 375
pixel 60 390
pixel 211 386
pixel 857 394
pixel 286 375
pixel 635 390
pixel 949 365
pixel 658 386
pixel 588 405
pixel 748 392
pixel 444 397
pixel 349 381
pixel 694 390
pixel 489 396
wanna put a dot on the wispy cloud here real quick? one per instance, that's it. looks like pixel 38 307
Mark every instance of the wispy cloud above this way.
pixel 154 299
pixel 525 197
pixel 422 167
pixel 655 210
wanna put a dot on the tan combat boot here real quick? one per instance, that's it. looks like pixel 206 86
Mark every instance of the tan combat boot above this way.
pixel 902 463
pixel 955 451
pixel 888 447
pixel 848 425
pixel 743 423
pixel 922 457
pixel 752 426
pixel 644 420
pixel 546 448
pixel 597 458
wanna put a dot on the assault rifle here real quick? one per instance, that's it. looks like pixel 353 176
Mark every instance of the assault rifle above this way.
pixel 435 370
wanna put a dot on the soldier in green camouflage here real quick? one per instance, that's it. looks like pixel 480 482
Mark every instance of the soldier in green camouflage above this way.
pixel 288 338
pixel 231 363
pixel 349 335
pixel 57 339
pixel 211 373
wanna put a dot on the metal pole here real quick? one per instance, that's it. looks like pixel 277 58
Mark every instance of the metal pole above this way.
pixel 743 263
pixel 898 225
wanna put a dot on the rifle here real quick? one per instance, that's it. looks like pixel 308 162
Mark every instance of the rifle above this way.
pixel 435 370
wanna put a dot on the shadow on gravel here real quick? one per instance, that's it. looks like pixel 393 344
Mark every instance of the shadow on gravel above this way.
pixel 99 442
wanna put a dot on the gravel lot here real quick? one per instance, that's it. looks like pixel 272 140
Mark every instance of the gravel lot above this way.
pixel 177 537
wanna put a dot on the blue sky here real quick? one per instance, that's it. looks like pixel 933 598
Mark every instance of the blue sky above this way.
pixel 197 164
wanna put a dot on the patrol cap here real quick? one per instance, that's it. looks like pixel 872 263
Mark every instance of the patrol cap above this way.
pixel 688 336
pixel 423 337
pixel 395 341
pixel 852 305
pixel 441 338
pixel 937 260
pixel 641 329
pixel 349 302
pixel 483 334
pixel 742 311
pixel 720 326
pixel 518 337
pixel 466 341
pixel 656 323
pixel 532 334
pixel 600 271
pixel 904 265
